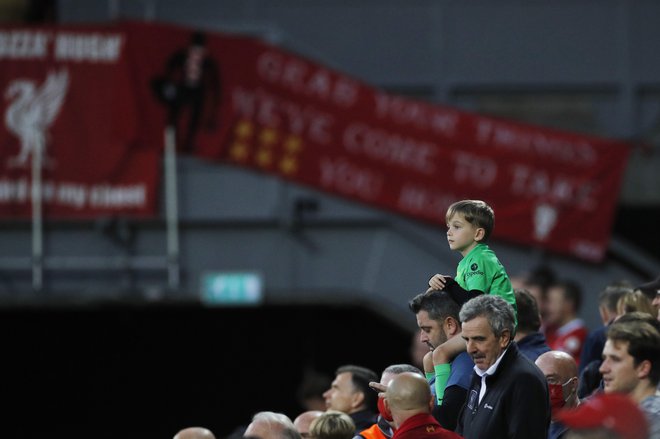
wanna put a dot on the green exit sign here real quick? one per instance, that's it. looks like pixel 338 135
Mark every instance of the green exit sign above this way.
pixel 222 288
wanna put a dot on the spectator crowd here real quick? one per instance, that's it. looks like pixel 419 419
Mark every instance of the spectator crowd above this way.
pixel 504 358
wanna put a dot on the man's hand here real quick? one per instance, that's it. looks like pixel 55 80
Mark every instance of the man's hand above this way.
pixel 378 387
pixel 438 281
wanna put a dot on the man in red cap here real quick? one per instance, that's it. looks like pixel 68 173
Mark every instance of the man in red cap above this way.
pixel 408 399
pixel 612 416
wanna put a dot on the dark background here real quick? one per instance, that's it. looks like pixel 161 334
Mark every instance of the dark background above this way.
pixel 148 371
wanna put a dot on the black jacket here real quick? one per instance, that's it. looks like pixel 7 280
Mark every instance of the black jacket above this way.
pixel 516 403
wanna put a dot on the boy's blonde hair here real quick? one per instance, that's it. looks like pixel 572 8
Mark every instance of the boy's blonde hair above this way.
pixel 332 425
pixel 476 212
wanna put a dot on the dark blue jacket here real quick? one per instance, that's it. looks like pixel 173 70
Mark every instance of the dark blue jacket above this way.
pixel 533 345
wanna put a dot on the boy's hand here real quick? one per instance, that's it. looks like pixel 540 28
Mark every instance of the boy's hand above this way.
pixel 438 281
pixel 428 362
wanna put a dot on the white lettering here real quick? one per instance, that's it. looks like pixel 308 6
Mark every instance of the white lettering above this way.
pixel 417 114
pixel 306 79
pixel 72 195
pixel 13 191
pixel 473 169
pixel 512 138
pixel 273 112
pixel 349 179
pixel 88 47
pixel 390 148
pixel 118 196
pixel 24 44
pixel 422 199
pixel 538 183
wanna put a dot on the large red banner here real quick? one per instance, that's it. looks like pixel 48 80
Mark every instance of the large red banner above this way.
pixel 68 93
pixel 244 101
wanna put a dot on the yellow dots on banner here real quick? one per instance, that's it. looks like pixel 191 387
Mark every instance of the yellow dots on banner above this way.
pixel 293 144
pixel 244 129
pixel 239 151
pixel 264 158
pixel 288 165
pixel 267 137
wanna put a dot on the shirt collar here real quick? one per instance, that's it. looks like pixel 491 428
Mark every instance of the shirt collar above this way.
pixel 491 370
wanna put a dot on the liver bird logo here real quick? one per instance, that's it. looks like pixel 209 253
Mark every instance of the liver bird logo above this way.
pixel 31 112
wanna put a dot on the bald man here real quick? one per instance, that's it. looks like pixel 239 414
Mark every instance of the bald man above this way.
pixel 304 421
pixel 561 371
pixel 194 433
pixel 408 399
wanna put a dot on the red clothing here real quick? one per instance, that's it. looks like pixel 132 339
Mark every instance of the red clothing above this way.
pixel 568 338
pixel 422 426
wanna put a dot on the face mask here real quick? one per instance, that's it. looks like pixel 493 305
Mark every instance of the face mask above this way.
pixel 557 400
pixel 384 412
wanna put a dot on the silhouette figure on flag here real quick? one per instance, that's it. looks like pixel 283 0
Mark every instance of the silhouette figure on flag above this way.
pixel 190 88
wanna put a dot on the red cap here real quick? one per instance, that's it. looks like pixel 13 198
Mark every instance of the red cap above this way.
pixel 612 411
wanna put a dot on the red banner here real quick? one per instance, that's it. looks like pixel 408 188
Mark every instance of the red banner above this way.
pixel 255 105
pixel 68 92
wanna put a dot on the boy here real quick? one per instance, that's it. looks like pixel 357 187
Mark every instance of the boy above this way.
pixel 469 224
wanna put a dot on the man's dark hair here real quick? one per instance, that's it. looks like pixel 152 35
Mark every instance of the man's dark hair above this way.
pixel 643 343
pixel 572 292
pixel 610 296
pixel 529 319
pixel 438 304
pixel 361 377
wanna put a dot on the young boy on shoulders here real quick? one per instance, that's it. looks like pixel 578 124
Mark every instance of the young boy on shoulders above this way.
pixel 469 225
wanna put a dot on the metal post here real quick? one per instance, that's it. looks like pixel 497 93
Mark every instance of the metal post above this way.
pixel 37 215
pixel 171 208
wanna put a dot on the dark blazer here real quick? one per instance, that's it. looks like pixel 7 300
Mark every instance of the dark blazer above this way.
pixel 516 404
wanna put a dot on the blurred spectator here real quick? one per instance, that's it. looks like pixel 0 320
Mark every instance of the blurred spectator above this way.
pixel 508 395
pixel 304 421
pixel 311 388
pixel 564 330
pixel 408 399
pixel 631 365
pixel 437 319
pixel 530 341
pixel 194 433
pixel 383 428
pixel 417 351
pixel 332 425
pixel 561 372
pixel 652 291
pixel 537 282
pixel 634 301
pixel 605 416
pixel 271 425
pixel 350 393
pixel 607 308
pixel 591 357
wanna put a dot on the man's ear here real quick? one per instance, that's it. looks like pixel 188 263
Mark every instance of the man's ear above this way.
pixel 451 326
pixel 357 399
pixel 479 234
pixel 643 369
pixel 505 338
